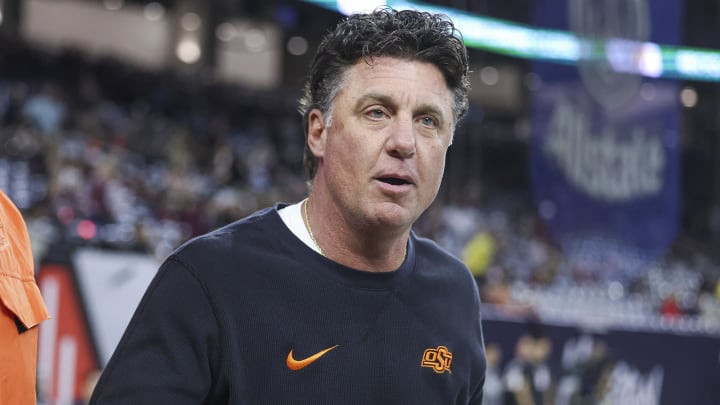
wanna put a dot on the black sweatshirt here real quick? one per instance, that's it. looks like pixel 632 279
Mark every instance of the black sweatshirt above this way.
pixel 219 320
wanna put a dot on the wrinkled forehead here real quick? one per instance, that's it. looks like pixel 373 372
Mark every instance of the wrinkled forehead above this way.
pixel 409 80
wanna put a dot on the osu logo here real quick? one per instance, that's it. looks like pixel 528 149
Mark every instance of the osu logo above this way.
pixel 438 359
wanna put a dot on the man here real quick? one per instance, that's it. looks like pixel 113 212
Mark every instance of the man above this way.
pixel 21 309
pixel 250 314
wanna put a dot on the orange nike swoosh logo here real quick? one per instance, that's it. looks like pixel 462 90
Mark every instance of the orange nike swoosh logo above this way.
pixel 296 365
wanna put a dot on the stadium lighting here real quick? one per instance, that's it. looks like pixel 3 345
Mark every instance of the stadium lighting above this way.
pixel 226 31
pixel 348 7
pixel 154 11
pixel 489 75
pixel 188 51
pixel 255 40
pixel 523 41
pixel 297 46
pixel 113 5
pixel 688 97
pixel 191 21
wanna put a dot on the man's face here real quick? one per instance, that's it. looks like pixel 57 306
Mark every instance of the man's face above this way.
pixel 382 158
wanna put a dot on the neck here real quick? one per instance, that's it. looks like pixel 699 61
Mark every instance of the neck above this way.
pixel 359 247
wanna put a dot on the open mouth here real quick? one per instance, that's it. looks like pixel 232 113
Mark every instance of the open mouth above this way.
pixel 394 181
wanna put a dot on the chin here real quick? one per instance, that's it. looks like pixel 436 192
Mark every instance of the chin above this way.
pixel 395 216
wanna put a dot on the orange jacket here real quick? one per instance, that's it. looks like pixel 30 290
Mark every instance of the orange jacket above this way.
pixel 21 309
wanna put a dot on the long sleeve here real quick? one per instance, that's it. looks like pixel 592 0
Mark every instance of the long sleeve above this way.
pixel 170 349
pixel 217 324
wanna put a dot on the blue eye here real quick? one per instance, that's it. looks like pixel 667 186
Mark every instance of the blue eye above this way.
pixel 376 113
pixel 428 121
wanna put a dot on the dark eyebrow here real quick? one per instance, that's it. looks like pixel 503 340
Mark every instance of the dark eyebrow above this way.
pixel 432 110
pixel 388 101
pixel 382 98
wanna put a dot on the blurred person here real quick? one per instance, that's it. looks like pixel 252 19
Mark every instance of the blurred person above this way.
pixel 21 309
pixel 478 254
pixel 595 375
pixel 45 109
pixel 670 308
pixel 527 378
pixel 493 388
pixel 588 373
pixel 332 299
pixel 708 304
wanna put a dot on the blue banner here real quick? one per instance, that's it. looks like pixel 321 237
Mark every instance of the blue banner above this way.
pixel 604 149
pixel 641 367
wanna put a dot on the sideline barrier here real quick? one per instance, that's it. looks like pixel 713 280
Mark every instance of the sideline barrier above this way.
pixel 651 368
pixel 91 295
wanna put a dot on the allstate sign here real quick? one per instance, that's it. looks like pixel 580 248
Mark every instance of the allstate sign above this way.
pixel 605 157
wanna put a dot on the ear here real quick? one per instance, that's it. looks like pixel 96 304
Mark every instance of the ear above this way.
pixel 317 133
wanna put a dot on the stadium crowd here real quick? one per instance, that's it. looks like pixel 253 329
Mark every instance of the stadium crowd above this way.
pixel 96 152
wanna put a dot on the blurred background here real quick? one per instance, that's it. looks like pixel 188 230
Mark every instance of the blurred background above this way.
pixel 582 189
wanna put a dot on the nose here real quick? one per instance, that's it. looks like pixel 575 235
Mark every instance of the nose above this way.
pixel 401 141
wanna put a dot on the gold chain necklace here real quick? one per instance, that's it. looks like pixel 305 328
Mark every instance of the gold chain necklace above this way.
pixel 306 219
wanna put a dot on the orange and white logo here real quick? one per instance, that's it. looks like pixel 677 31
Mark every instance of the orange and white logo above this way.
pixel 438 359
